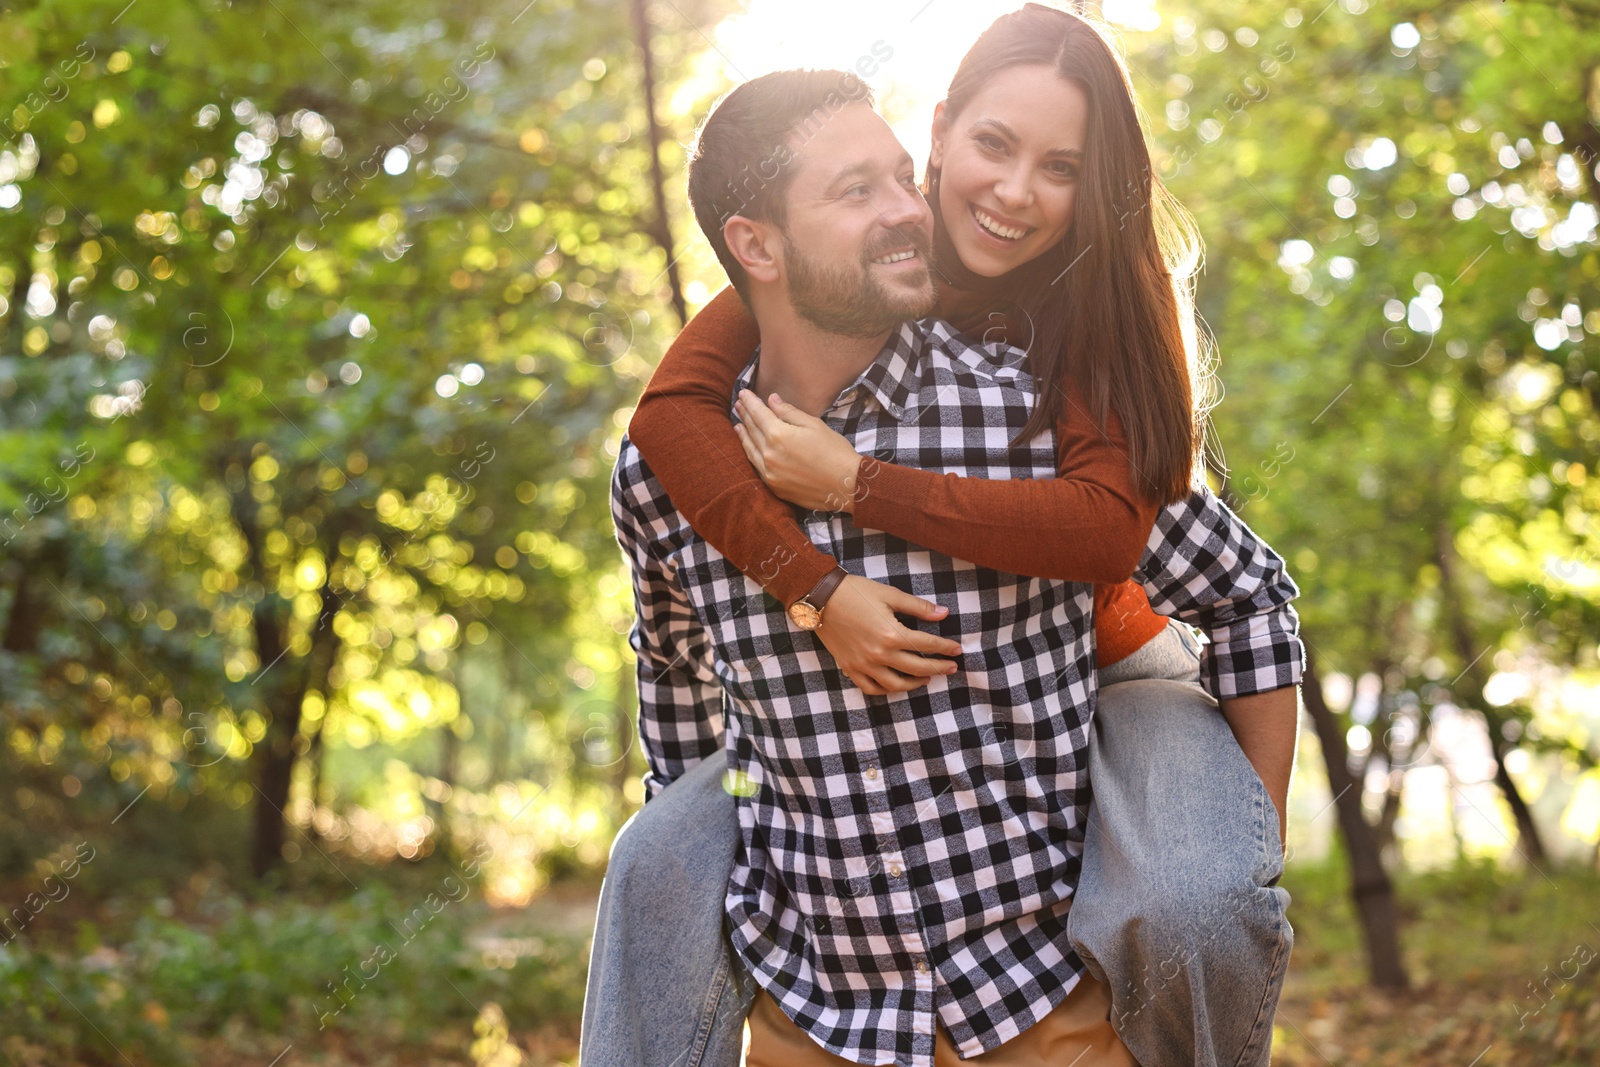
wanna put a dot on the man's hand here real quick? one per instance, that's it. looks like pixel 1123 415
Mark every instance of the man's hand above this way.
pixel 1266 726
pixel 797 454
pixel 873 648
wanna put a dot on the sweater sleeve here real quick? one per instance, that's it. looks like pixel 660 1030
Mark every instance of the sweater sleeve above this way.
pixel 1088 525
pixel 683 429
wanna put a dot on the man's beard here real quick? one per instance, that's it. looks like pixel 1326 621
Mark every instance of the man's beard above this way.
pixel 852 300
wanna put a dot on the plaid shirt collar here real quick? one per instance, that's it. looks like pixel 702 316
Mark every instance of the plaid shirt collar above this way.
pixel 892 378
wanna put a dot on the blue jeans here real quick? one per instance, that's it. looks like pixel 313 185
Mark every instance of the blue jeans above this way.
pixel 1177 910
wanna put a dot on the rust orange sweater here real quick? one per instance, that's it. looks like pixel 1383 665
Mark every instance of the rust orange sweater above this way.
pixel 1088 525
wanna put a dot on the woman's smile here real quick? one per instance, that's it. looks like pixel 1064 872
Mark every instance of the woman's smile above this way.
pixel 999 226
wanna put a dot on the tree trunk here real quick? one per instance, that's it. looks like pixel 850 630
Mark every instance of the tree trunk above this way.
pixel 314 758
pixel 661 227
pixel 1369 882
pixel 449 754
pixel 1532 846
pixel 325 645
pixel 18 324
pixel 274 757
pixel 284 690
pixel 26 620
pixel 283 745
pixel 1382 751
pixel 1532 843
pixel 1383 833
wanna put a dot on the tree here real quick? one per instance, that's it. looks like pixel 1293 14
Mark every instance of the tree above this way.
pixel 1398 213
pixel 346 320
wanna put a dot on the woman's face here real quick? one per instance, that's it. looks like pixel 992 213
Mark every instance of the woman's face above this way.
pixel 1009 166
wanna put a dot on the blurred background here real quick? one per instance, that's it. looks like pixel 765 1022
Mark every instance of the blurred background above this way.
pixel 319 327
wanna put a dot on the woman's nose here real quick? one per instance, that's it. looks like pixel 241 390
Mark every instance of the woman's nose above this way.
pixel 1013 189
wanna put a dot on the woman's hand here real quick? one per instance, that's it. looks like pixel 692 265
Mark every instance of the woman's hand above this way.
pixel 873 648
pixel 799 457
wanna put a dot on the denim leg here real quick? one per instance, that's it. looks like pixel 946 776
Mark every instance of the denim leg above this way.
pixel 1177 909
pixel 664 987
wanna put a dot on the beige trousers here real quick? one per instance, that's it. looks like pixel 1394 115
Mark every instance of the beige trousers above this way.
pixel 1077 1033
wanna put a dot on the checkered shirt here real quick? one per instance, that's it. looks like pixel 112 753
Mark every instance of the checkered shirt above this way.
pixel 909 860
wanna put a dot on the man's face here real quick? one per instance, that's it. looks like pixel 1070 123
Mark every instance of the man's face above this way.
pixel 859 235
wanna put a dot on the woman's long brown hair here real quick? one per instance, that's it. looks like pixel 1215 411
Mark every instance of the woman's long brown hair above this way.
pixel 1112 306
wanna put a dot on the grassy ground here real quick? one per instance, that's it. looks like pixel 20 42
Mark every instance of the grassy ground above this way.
pixel 1505 969
pixel 396 973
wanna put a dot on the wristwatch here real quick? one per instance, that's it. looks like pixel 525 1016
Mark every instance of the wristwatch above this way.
pixel 806 613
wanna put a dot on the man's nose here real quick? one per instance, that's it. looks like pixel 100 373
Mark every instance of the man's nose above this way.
pixel 907 210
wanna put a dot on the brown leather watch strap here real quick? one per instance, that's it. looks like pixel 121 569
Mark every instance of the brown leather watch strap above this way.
pixel 826 586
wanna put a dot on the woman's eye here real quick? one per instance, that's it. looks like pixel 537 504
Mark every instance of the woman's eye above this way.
pixel 1063 170
pixel 993 144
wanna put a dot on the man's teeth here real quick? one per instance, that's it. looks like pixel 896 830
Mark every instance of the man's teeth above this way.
pixel 896 257
pixel 988 222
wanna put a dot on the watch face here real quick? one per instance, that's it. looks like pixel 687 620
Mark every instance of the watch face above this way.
pixel 805 616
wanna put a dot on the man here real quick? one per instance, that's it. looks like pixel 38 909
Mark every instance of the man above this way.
pixel 905 864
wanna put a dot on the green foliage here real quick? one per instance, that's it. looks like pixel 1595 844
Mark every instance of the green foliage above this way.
pixel 315 324
pixel 283 967
pixel 1403 279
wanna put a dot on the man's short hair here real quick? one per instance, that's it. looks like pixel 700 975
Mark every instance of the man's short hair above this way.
pixel 740 161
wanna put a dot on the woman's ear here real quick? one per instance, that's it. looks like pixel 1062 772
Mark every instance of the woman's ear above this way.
pixel 754 245
pixel 941 127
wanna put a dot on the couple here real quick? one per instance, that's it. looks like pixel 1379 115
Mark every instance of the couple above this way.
pixel 877 842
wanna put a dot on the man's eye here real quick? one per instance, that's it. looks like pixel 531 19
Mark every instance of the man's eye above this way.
pixel 857 190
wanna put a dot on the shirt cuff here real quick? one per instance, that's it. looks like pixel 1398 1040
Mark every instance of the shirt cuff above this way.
pixel 1257 655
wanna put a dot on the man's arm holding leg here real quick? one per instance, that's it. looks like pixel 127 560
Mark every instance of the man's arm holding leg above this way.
pixel 1205 566
pixel 1267 727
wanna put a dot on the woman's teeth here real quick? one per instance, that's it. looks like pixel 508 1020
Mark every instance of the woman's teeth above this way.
pixel 896 257
pixel 989 223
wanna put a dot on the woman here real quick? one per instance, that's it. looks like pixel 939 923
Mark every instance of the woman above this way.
pixel 1049 222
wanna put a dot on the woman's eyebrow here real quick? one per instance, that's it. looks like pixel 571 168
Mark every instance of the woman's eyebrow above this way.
pixel 1010 134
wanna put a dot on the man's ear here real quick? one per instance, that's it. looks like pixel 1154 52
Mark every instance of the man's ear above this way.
pixel 755 246
pixel 941 127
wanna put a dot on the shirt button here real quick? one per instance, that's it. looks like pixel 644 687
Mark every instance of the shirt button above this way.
pixel 894 870
pixel 922 966
pixel 872 772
